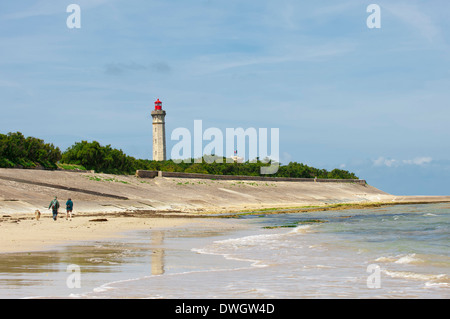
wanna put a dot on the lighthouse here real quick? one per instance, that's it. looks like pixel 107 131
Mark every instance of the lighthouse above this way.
pixel 159 132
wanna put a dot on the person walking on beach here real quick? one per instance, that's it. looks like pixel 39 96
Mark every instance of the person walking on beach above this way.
pixel 69 208
pixel 54 205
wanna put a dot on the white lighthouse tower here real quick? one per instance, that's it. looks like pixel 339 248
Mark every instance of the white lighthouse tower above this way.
pixel 159 132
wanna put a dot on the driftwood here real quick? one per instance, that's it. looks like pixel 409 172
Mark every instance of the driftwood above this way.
pixel 98 220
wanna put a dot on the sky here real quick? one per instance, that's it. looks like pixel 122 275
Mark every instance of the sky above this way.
pixel 374 101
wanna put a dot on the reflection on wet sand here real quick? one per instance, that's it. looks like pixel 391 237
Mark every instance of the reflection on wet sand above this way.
pixel 43 274
pixel 157 258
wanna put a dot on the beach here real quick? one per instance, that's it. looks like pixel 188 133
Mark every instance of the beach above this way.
pixel 321 254
pixel 131 203
pixel 23 233
pixel 35 255
pixel 155 238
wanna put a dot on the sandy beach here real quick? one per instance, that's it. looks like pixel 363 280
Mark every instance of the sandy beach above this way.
pixel 175 238
pixel 108 205
pixel 22 233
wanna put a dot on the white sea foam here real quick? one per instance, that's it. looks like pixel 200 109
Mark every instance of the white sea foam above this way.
pixel 233 248
pixel 229 256
pixel 249 240
pixel 384 259
pixel 109 286
pixel 400 259
pixel 302 229
pixel 318 267
pixel 263 238
pixel 438 278
pixel 409 259
pixel 429 284
pixel 102 289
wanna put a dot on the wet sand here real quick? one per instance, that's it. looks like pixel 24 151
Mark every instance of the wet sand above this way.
pixel 22 233
pixel 36 256
pixel 160 249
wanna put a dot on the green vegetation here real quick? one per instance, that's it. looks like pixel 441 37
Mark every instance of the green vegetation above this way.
pixel 102 179
pixel 105 159
pixel 30 152
pixel 18 151
pixel 73 167
pixel 293 169
pixel 102 159
pixel 304 209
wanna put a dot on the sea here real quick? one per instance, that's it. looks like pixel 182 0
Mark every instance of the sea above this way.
pixel 399 251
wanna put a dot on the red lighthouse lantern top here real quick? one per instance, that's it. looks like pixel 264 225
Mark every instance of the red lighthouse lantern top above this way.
pixel 158 105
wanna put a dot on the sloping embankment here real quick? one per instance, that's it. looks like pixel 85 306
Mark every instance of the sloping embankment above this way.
pixel 24 191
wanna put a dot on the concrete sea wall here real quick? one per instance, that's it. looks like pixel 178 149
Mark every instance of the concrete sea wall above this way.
pixel 153 174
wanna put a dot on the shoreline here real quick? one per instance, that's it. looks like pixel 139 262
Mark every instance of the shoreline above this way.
pixel 158 202
pixel 329 207
pixel 123 255
pixel 25 234
pixel 21 233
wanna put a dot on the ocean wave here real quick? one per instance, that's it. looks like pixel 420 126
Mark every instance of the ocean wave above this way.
pixel 400 259
pixel 210 251
pixel 262 238
pixel 437 284
pixel 238 248
pixel 248 240
pixel 441 279
pixel 319 267
pixel 302 229
pixel 107 287
pixel 384 259
pixel 409 259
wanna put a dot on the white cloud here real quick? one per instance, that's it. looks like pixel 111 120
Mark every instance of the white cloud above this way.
pixel 418 160
pixel 381 161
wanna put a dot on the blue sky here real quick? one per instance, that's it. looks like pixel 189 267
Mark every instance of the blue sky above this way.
pixel 372 101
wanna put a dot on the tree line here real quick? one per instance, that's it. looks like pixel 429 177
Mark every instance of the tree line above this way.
pixel 18 151
pixel 221 167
